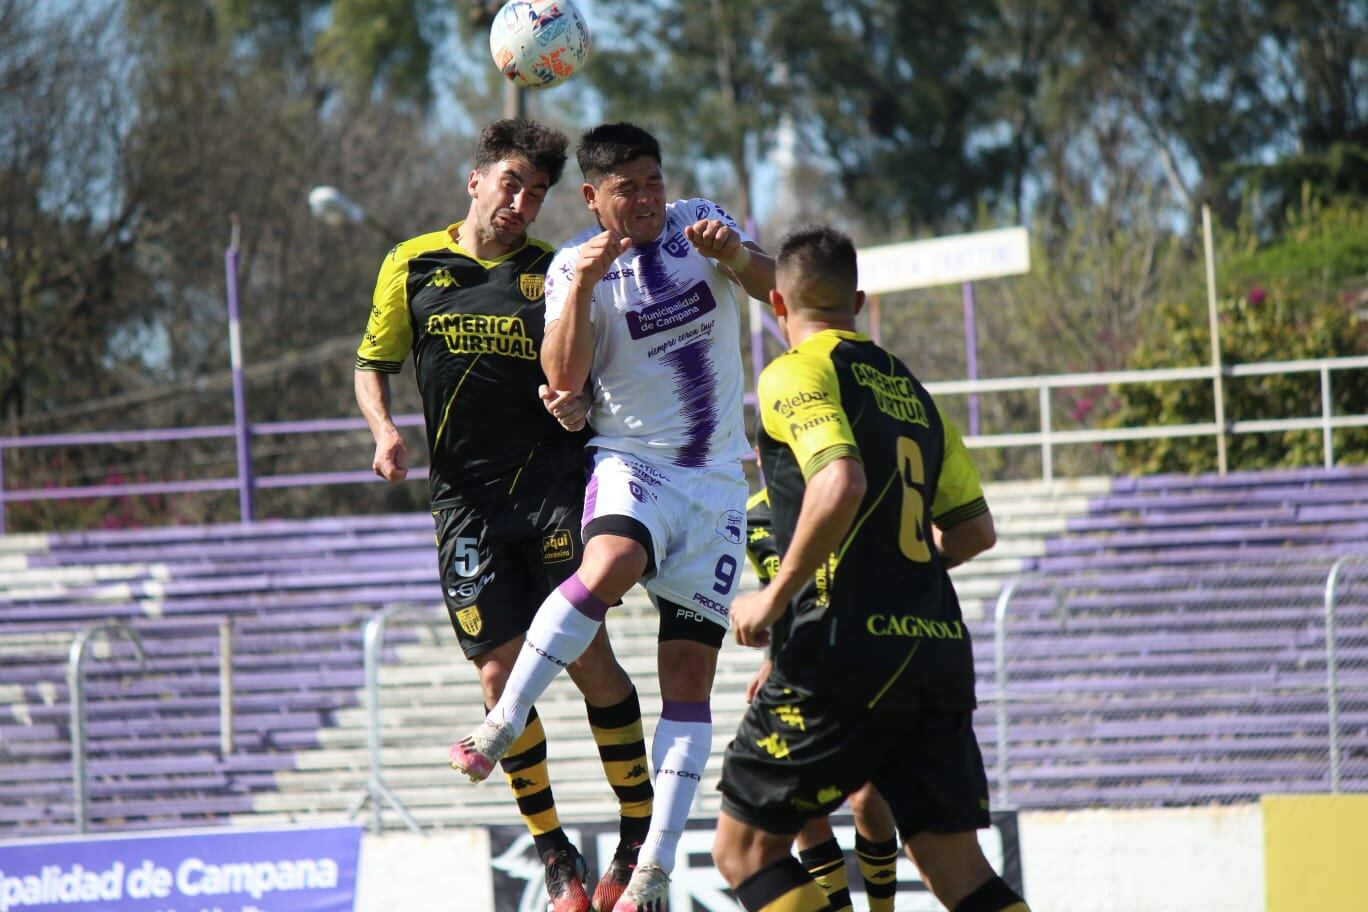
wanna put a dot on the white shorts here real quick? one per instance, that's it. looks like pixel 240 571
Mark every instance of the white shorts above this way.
pixel 696 518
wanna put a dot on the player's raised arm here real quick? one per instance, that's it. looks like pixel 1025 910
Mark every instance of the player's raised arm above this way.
pixel 751 267
pixel 568 349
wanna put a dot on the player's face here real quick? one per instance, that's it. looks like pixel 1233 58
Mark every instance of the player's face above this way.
pixel 631 200
pixel 505 199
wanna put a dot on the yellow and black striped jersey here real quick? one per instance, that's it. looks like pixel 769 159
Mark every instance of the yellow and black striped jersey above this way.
pixel 474 328
pixel 883 602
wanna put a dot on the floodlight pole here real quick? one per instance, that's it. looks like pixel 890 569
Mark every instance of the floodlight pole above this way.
pixel 241 431
pixel 514 100
pixel 971 355
pixel 1213 320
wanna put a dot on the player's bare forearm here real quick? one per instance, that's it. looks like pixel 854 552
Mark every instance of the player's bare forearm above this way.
pixel 966 540
pixel 757 276
pixel 373 398
pixel 568 348
pixel 830 504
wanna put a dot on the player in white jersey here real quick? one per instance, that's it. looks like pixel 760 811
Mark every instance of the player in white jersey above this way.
pixel 645 310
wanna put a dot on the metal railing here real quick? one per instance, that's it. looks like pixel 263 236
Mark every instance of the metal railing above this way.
pixel 76 688
pixel 1047 437
pixel 1281 619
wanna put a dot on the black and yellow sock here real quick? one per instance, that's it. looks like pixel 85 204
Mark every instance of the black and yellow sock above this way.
pixel 993 896
pixel 622 748
pixel 879 868
pixel 826 863
pixel 525 767
pixel 784 886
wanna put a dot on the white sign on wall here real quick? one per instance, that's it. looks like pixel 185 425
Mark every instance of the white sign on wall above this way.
pixel 947 260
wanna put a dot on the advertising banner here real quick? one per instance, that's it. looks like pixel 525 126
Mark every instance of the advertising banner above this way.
pixel 288 870
pixel 695 885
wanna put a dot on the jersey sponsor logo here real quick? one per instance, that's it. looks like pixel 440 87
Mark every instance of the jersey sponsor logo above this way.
pixel 711 604
pixel 546 655
pixel 470 588
pixel 677 246
pixel 531 286
pixel 683 774
pixel 886 625
pixel 893 394
pixel 470 620
pixel 625 272
pixel 797 429
pixel 731 526
pixel 442 278
pixel 483 334
pixel 673 313
pixel 557 547
pixel 789 405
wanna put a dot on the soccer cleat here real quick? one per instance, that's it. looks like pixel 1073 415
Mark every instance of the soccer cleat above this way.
pixel 613 882
pixel 647 890
pixel 565 875
pixel 476 753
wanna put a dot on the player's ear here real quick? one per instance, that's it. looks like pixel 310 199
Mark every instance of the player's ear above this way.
pixel 590 196
pixel 473 184
pixel 777 303
pixel 859 301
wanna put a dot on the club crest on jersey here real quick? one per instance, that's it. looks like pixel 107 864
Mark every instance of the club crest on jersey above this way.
pixel 532 286
pixel 732 526
pixel 470 620
pixel 677 246
pixel 557 547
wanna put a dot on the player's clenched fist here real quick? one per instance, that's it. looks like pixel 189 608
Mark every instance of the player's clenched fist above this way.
pixel 597 254
pixel 718 240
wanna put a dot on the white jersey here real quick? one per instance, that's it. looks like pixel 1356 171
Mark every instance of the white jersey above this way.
pixel 667 377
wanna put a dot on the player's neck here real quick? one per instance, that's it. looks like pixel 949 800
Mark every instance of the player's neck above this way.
pixel 467 237
pixel 800 329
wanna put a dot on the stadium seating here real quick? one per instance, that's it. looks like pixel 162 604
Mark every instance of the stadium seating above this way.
pixel 1165 645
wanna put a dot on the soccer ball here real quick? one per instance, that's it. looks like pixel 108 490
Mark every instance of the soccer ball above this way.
pixel 539 43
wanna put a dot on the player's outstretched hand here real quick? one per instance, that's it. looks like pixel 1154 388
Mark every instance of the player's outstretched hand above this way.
pixel 391 458
pixel 718 240
pixel 597 254
pixel 570 409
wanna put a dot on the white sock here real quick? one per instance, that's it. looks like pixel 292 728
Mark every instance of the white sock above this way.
pixel 563 628
pixel 679 752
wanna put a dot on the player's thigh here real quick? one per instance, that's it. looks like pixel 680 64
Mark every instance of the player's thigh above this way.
pixel 630 498
pixel 796 755
pixel 702 568
pixel 484 585
pixel 935 782
pixel 544 528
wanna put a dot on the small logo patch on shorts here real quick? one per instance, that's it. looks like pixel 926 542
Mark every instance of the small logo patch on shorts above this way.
pixel 470 620
pixel 732 526
pixel 557 547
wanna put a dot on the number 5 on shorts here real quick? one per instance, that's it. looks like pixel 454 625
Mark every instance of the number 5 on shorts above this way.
pixel 465 556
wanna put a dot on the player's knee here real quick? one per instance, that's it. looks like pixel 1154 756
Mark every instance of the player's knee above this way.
pixel 612 564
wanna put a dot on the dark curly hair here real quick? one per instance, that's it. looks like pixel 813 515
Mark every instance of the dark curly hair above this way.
pixel 512 137
pixel 605 147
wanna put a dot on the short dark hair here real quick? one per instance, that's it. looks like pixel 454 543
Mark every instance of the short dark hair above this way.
pixel 513 137
pixel 604 148
pixel 825 259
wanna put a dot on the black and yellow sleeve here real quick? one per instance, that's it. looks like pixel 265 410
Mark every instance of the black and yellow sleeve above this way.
pixel 800 407
pixel 389 334
pixel 959 495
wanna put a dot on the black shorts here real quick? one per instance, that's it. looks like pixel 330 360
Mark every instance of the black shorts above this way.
pixel 499 560
pixel 797 755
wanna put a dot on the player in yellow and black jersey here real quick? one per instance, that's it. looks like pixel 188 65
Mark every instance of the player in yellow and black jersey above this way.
pixel 506 480
pixel 873 496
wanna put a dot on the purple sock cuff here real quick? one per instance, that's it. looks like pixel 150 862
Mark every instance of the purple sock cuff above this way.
pixel 582 600
pixel 681 711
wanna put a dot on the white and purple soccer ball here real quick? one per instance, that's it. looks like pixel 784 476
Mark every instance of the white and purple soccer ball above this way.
pixel 539 43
